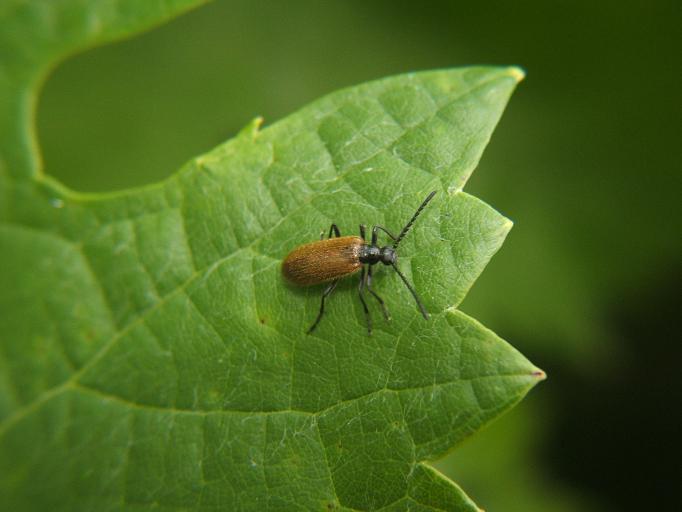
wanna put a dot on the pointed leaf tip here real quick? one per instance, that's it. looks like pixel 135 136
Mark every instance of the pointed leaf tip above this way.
pixel 539 375
pixel 517 73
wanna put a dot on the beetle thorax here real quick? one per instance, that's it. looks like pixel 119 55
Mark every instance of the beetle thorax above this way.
pixel 372 254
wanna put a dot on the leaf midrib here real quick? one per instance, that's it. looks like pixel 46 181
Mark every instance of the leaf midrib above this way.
pixel 74 385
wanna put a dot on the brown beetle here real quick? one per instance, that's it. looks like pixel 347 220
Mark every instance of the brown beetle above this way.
pixel 327 261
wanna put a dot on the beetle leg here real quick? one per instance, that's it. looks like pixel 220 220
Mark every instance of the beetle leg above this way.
pixel 363 229
pixel 387 315
pixel 327 292
pixel 334 229
pixel 375 233
pixel 361 287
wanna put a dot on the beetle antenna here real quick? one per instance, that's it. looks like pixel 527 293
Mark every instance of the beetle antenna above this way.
pixel 409 286
pixel 409 225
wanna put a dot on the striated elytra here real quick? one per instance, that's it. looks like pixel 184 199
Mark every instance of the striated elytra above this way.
pixel 328 261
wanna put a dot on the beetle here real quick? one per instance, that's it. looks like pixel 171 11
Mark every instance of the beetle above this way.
pixel 328 261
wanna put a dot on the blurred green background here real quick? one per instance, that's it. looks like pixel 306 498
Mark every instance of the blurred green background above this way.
pixel 586 161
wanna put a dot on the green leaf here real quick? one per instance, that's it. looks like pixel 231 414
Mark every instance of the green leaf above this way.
pixel 35 35
pixel 152 355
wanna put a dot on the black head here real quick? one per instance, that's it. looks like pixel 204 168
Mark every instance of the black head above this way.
pixel 388 256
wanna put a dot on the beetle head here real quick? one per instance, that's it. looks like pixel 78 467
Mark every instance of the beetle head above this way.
pixel 388 255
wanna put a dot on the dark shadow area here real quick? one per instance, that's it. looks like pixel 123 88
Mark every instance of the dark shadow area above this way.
pixel 616 433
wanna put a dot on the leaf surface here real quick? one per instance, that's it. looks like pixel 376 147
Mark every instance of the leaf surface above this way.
pixel 152 355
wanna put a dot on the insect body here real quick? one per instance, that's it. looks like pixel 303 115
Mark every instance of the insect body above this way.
pixel 327 261
pixel 323 261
